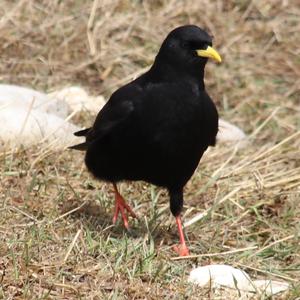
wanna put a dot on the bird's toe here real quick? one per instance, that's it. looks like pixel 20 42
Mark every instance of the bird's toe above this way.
pixel 181 250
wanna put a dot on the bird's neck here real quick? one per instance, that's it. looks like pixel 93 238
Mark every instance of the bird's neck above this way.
pixel 164 72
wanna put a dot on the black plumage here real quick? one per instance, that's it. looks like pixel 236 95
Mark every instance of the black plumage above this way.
pixel 157 127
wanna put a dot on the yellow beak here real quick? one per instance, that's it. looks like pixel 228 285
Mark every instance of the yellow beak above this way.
pixel 210 52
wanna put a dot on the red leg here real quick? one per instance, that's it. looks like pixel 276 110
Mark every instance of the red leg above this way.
pixel 121 206
pixel 182 248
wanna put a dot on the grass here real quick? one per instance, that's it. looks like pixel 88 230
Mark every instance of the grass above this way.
pixel 56 238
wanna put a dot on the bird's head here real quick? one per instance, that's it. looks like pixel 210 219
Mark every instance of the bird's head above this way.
pixel 187 48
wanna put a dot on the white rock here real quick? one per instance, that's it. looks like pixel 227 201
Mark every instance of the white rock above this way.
pixel 78 99
pixel 229 132
pixel 13 96
pixel 27 128
pixel 60 103
pixel 221 275
pixel 224 276
pixel 271 287
pixel 32 117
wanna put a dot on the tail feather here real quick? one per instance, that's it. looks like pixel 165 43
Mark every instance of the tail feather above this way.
pixel 82 132
pixel 81 147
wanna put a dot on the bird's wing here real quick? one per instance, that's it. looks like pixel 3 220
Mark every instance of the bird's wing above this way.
pixel 112 115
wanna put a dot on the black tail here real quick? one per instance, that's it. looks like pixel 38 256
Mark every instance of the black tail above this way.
pixel 82 132
pixel 81 147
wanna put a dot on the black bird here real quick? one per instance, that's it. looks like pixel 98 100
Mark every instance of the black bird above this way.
pixel 157 127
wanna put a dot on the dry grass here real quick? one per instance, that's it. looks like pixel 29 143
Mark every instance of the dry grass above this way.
pixel 56 241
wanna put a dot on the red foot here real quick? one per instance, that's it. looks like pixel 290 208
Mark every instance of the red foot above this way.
pixel 182 250
pixel 121 206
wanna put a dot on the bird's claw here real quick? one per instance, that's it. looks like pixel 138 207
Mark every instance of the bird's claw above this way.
pixel 182 250
pixel 122 206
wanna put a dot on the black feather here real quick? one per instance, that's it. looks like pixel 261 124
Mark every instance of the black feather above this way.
pixel 82 132
pixel 81 147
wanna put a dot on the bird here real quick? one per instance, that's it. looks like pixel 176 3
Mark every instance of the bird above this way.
pixel 157 127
